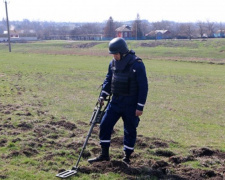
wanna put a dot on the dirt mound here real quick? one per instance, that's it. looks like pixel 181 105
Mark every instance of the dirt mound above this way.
pixel 66 124
pixel 26 151
pixel 171 166
pixel 3 142
pixel 74 145
pixel 198 174
pixel 202 152
pixel 165 153
pixel 117 142
pixel 111 166
pixel 180 159
pixel 82 45
pixel 151 44
pixel 25 126
pixel 155 169
pixel 87 45
pixel 29 152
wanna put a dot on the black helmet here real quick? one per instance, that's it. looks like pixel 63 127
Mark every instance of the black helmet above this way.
pixel 118 45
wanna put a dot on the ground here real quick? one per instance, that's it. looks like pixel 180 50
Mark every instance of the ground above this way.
pixel 152 158
pixel 29 131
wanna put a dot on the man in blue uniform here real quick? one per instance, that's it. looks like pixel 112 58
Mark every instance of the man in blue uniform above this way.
pixel 126 80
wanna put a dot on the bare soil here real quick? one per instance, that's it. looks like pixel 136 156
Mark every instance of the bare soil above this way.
pixel 161 164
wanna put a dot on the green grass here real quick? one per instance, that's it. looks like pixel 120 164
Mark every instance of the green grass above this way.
pixel 194 50
pixel 185 102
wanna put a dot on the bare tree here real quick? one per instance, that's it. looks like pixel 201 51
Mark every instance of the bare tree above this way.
pixel 175 30
pixel 167 25
pixel 201 28
pixel 91 28
pixel 109 30
pixel 210 28
pixel 137 28
pixel 162 25
pixel 146 27
pixel 187 29
pixel 86 29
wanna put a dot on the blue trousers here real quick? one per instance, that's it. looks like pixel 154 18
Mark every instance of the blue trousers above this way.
pixel 131 121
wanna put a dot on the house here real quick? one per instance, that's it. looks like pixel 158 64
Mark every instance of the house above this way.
pixel 220 34
pixel 159 34
pixel 13 34
pixel 18 36
pixel 124 32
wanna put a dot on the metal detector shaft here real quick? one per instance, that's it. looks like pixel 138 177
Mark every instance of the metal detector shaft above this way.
pixel 97 115
pixel 88 135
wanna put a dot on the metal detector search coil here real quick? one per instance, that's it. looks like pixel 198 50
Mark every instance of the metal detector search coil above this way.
pixel 66 174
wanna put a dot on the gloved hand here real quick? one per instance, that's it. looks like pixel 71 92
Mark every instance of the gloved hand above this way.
pixel 101 100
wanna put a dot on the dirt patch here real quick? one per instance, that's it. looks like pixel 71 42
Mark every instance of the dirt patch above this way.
pixel 13 154
pixel 96 150
pixel 202 152
pixel 82 45
pixel 160 144
pixel 26 151
pixel 142 143
pixel 168 44
pixel 74 145
pixel 198 174
pixel 117 142
pixel 160 169
pixel 82 123
pixel 165 153
pixel 29 152
pixel 152 44
pixel 169 167
pixel 51 155
pixel 3 142
pixel 65 124
pixel 180 159
pixel 87 45
pixel 16 140
pixel 109 166
pixel 50 139
pixel 25 126
pixel 8 109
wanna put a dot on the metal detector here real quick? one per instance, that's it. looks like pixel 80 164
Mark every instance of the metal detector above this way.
pixel 96 117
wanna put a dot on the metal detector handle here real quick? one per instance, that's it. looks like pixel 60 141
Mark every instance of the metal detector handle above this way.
pixel 96 113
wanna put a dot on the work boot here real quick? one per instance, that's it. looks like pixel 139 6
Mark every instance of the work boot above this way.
pixel 126 158
pixel 104 156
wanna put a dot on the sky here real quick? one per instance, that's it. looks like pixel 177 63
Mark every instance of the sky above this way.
pixel 119 10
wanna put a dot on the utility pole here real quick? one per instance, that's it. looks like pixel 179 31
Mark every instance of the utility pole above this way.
pixel 6 10
pixel 136 29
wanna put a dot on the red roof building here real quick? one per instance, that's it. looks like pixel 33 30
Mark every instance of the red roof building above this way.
pixel 124 31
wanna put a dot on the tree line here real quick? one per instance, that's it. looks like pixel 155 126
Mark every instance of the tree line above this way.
pixel 106 29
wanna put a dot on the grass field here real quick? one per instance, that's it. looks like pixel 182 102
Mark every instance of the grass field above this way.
pixel 48 91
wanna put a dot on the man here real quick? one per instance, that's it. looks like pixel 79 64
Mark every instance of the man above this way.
pixel 126 80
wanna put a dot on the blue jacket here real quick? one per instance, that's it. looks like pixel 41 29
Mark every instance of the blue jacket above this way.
pixel 139 99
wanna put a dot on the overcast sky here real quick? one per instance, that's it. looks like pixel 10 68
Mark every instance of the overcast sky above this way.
pixel 120 10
